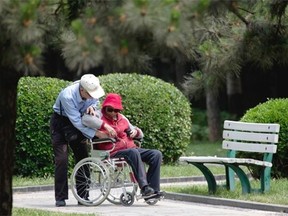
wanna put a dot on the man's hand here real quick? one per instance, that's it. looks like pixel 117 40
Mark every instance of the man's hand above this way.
pixel 110 130
pixel 90 110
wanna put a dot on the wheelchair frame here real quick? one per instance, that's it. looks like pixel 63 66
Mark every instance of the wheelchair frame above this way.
pixel 99 177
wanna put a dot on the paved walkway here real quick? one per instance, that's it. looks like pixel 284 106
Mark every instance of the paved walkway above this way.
pixel 45 200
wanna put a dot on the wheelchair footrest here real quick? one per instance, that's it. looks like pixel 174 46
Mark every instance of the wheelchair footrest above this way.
pixel 157 196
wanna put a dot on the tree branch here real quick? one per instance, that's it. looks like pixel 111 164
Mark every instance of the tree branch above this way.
pixel 232 6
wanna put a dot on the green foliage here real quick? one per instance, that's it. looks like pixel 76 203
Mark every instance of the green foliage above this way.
pixel 28 10
pixel 158 108
pixel 77 27
pixel 36 96
pixel 272 111
pixel 200 130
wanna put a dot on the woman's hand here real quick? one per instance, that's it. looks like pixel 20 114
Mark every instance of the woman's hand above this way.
pixel 133 133
pixel 110 130
pixel 101 135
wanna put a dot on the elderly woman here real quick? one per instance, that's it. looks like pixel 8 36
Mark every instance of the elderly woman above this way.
pixel 125 147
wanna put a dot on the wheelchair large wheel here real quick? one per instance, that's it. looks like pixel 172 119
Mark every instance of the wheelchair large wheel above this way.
pixel 90 181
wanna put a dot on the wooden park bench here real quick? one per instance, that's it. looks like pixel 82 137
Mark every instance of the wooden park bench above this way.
pixel 241 136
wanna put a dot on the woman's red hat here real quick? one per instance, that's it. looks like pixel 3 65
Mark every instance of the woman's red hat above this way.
pixel 113 100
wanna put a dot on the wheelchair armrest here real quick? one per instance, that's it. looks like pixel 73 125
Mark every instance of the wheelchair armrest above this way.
pixel 97 140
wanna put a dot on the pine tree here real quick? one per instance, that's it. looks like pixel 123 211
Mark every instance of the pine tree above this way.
pixel 22 39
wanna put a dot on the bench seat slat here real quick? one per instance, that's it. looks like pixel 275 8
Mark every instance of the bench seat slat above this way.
pixel 246 136
pixel 249 147
pixel 248 126
pixel 208 159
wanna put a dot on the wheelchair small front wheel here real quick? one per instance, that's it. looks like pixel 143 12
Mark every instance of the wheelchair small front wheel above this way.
pixel 127 200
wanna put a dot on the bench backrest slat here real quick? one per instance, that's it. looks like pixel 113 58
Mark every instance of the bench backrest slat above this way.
pixel 249 147
pixel 260 127
pixel 249 136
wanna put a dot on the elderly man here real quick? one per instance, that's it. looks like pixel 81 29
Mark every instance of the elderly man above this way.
pixel 66 128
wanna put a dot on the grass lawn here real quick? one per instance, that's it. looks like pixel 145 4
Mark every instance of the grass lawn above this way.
pixel 34 212
pixel 205 149
pixel 276 195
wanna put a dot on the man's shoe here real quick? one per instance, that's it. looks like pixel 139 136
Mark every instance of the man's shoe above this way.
pixel 60 203
pixel 147 191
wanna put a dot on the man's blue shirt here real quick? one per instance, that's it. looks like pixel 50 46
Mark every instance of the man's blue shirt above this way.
pixel 73 107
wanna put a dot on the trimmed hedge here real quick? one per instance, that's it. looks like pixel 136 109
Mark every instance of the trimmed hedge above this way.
pixel 272 111
pixel 157 107
pixel 34 153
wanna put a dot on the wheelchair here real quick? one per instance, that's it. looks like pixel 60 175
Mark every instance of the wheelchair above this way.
pixel 99 178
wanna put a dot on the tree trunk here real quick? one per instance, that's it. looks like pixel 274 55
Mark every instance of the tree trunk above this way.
pixel 180 71
pixel 234 93
pixel 8 88
pixel 213 116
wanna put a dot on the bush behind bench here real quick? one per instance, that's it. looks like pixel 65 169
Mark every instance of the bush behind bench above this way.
pixel 272 111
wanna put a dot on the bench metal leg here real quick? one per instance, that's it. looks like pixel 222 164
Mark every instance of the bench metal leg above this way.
pixel 230 179
pixel 208 176
pixel 265 179
pixel 245 183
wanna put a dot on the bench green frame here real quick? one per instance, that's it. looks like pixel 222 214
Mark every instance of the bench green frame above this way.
pixel 241 136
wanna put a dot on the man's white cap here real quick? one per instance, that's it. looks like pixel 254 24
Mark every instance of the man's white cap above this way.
pixel 92 85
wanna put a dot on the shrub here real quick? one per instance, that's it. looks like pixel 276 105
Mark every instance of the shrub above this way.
pixel 272 111
pixel 157 107
pixel 36 96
